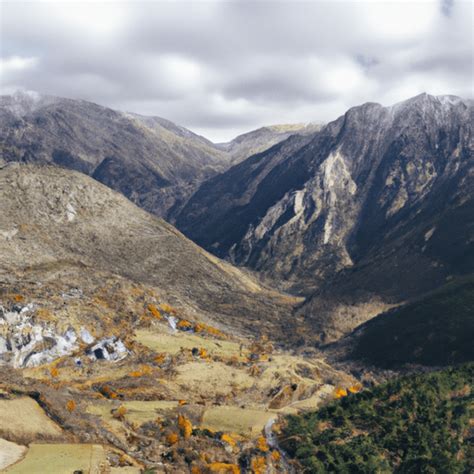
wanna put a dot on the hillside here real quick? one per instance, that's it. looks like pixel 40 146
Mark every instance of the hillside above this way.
pixel 53 218
pixel 418 423
pixel 436 330
pixel 374 209
pixel 125 347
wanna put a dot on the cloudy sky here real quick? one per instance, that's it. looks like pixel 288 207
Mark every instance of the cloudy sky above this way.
pixel 222 68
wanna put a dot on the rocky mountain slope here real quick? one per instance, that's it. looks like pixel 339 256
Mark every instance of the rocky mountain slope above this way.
pixel 259 140
pixel 375 208
pixel 154 162
pixel 53 218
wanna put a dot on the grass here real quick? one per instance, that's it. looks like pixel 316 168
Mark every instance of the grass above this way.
pixel 173 343
pixel 437 330
pixel 23 419
pixel 414 424
pixel 245 422
pixel 61 459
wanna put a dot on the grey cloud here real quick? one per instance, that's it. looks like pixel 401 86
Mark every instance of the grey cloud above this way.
pixel 226 67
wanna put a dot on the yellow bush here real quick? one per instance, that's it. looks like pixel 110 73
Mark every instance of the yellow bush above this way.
pixel 172 438
pixel 228 439
pixel 262 444
pixel 168 309
pixel 258 465
pixel 355 388
pixel 203 353
pixel 54 371
pixel 160 358
pixel 154 312
pixel 144 370
pixel 223 468
pixel 18 298
pixel 185 426
pixel 183 324
pixel 71 406
pixel 201 327
pixel 120 412
pixel 340 392
pixel 108 392
pixel 276 456
pixel 182 402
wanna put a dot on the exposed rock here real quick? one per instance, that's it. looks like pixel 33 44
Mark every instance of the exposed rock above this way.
pixel 375 208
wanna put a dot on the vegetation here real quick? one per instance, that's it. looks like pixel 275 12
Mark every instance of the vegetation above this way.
pixel 437 330
pixel 414 424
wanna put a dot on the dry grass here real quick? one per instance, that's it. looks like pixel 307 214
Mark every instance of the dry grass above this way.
pixel 243 421
pixel 23 419
pixel 61 459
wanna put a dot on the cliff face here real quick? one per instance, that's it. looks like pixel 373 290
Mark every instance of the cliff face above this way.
pixel 379 202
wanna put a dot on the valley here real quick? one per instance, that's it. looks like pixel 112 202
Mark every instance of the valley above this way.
pixel 309 277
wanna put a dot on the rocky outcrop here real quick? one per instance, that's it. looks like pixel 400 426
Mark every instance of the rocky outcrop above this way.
pixel 373 209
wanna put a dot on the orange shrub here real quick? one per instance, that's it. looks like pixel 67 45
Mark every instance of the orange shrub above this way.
pixel 185 426
pixel 54 371
pixel 160 358
pixel 228 439
pixel 18 298
pixel 120 412
pixel 144 370
pixel 154 312
pixel 223 468
pixel 355 388
pixel 340 392
pixel 183 324
pixel 258 465
pixel 168 309
pixel 71 406
pixel 276 456
pixel 262 444
pixel 201 327
pixel 172 438
pixel 106 391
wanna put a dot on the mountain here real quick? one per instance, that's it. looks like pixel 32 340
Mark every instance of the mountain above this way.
pixel 152 161
pixel 375 208
pixel 436 330
pixel 256 141
pixel 57 220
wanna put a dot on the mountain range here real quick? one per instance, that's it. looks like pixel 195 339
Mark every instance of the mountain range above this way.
pixel 152 161
pixel 371 211
pixel 168 304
